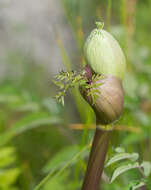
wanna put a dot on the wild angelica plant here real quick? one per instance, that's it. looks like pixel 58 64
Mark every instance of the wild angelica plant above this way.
pixel 100 83
pixel 104 56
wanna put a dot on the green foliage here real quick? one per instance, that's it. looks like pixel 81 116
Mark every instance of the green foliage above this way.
pixel 8 173
pixel 123 169
pixel 61 158
pixel 19 113
pixel 57 183
pixel 65 80
pixel 62 161
pixel 122 156
pixel 124 162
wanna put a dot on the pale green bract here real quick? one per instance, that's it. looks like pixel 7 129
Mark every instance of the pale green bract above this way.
pixel 104 54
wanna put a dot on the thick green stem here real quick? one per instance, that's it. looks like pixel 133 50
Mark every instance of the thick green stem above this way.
pixel 96 160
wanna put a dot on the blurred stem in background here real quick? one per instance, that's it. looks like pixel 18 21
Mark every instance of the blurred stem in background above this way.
pixel 109 10
pixel 76 27
pixel 127 17
pixel 123 17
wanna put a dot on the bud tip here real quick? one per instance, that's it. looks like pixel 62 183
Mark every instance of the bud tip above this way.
pixel 99 25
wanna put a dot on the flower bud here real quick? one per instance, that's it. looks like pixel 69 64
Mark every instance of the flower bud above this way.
pixel 109 101
pixel 104 54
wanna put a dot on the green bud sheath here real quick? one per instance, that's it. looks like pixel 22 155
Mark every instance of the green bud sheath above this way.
pixel 104 54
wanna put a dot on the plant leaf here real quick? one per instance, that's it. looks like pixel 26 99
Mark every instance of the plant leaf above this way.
pixel 122 156
pixel 120 170
pixel 147 168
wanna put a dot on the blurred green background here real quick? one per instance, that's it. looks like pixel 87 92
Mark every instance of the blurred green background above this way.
pixel 37 136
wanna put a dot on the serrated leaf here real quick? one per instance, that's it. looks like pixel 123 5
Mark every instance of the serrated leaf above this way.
pixel 147 168
pixel 97 84
pixel 120 170
pixel 59 84
pixel 122 156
